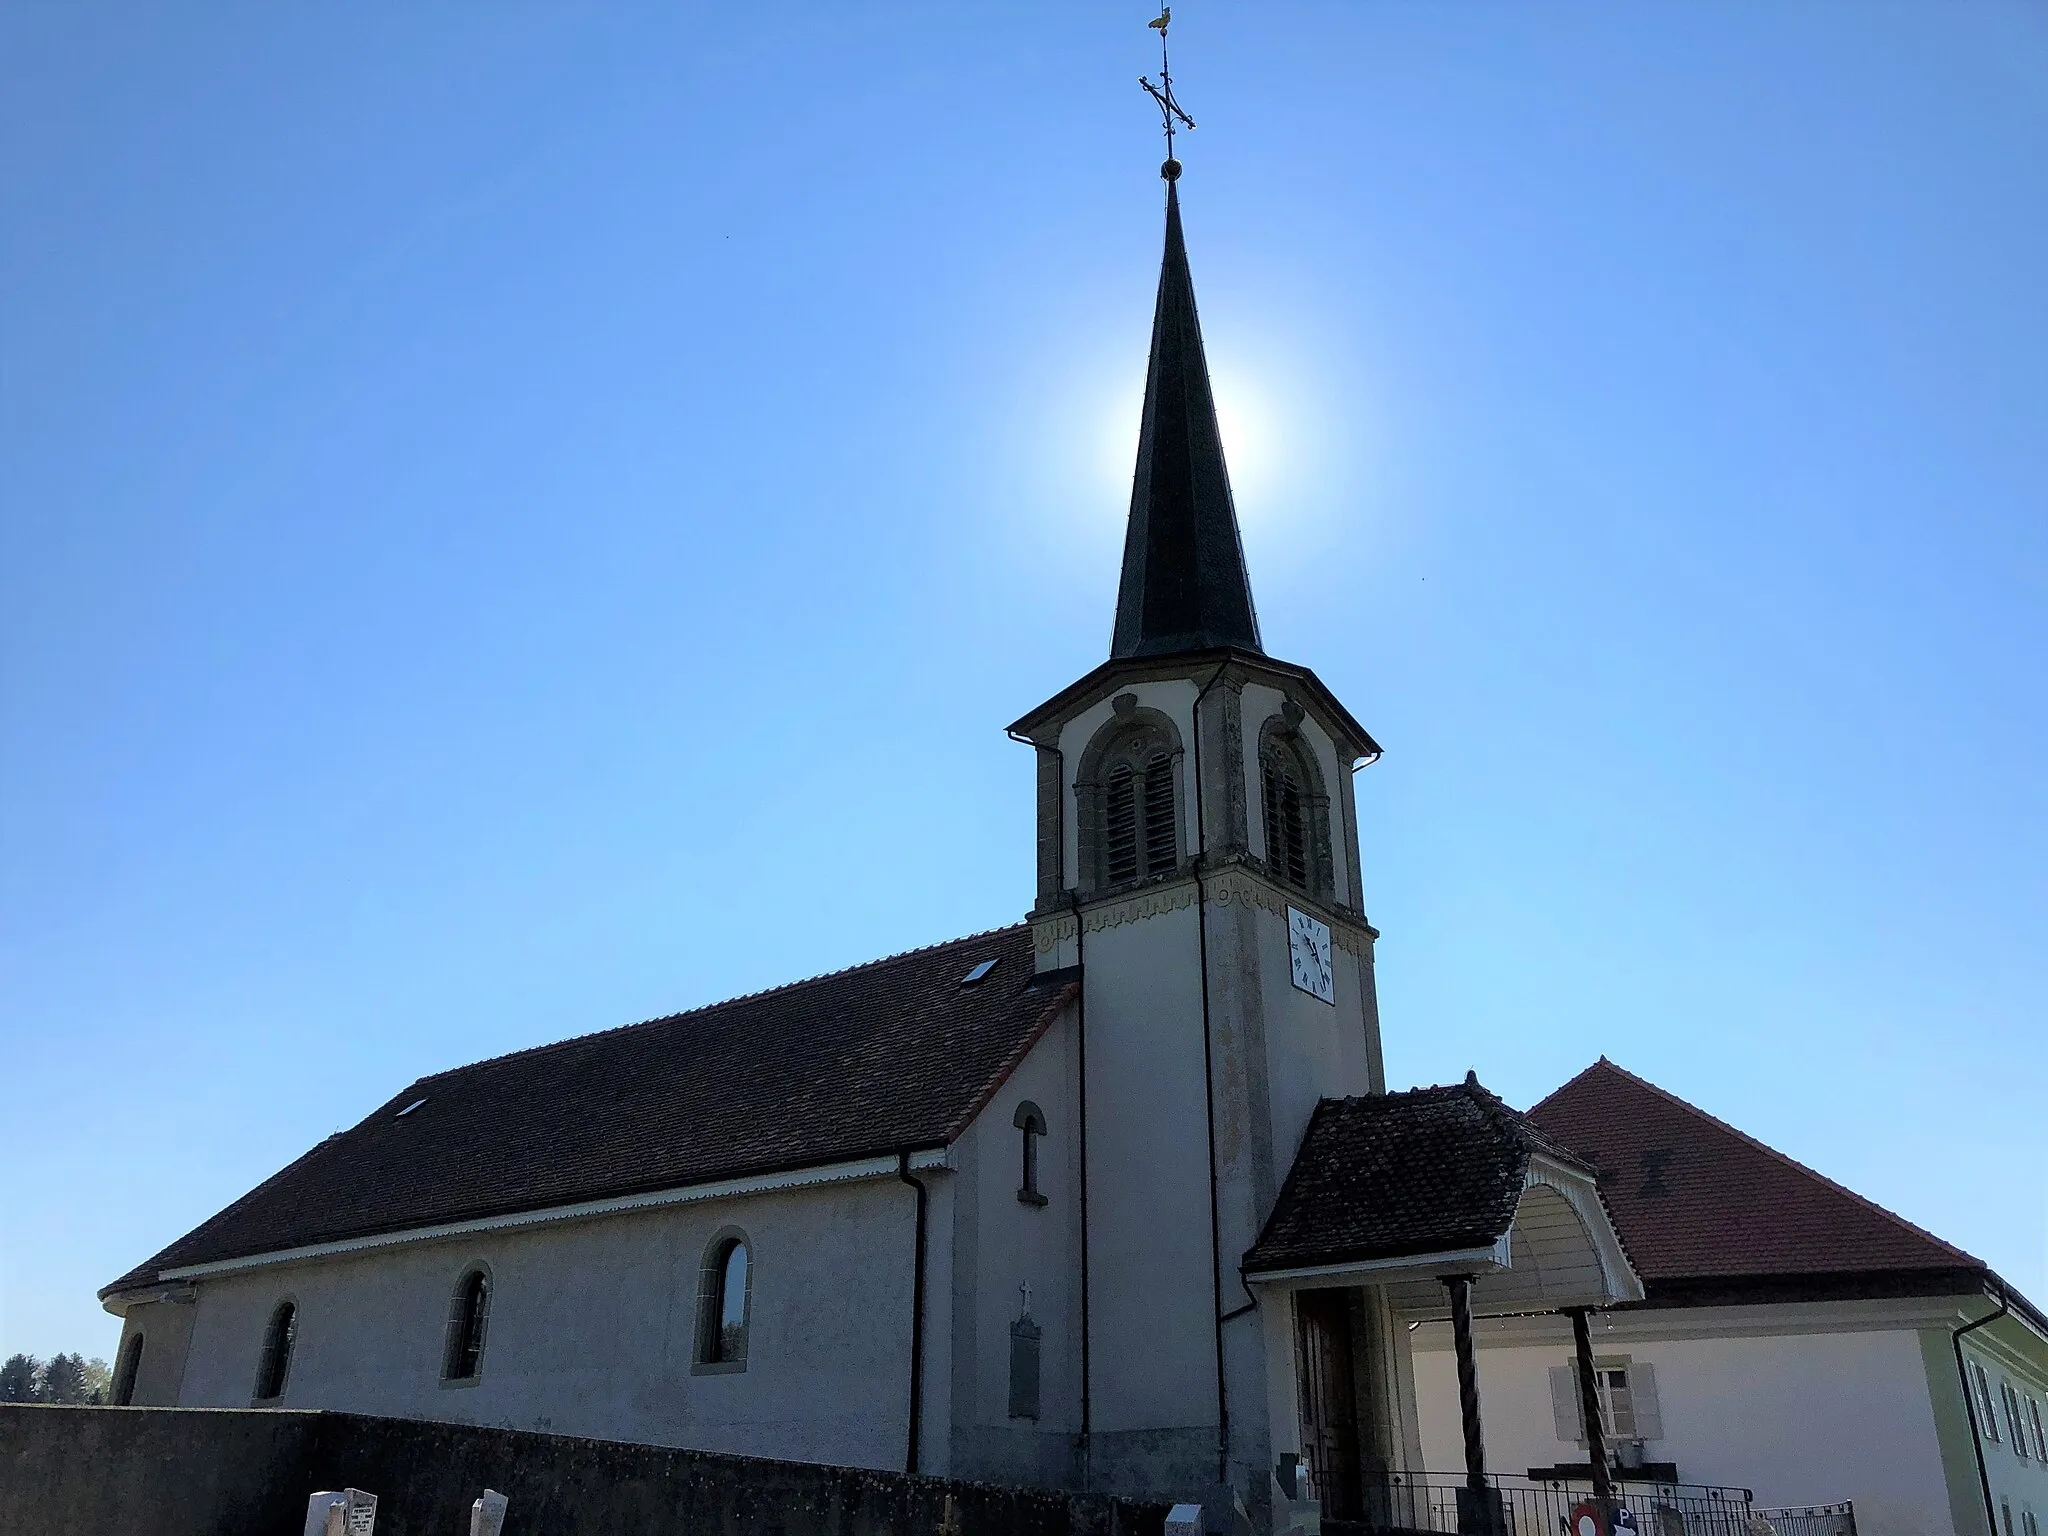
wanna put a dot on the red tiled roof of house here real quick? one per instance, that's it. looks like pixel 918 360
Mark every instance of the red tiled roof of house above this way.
pixel 1697 1200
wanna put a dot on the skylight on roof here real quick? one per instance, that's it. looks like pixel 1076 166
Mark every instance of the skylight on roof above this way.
pixel 415 1104
pixel 975 976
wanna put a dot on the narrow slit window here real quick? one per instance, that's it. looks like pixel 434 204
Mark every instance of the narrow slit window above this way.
pixel 126 1370
pixel 468 1322
pixel 1030 1119
pixel 273 1370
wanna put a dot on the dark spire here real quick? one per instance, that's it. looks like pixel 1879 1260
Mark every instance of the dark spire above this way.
pixel 1184 584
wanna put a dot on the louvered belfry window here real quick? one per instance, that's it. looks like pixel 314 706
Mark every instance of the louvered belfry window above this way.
pixel 1140 833
pixel 1286 820
pixel 1120 825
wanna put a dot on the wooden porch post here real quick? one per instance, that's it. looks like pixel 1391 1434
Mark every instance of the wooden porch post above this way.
pixel 1589 1406
pixel 1460 1287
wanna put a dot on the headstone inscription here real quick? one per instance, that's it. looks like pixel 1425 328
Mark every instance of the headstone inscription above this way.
pixel 347 1512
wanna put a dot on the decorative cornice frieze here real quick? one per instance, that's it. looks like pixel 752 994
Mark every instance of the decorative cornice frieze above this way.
pixel 1238 884
pixel 1241 886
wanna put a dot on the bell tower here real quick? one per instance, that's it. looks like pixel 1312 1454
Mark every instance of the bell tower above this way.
pixel 1198 868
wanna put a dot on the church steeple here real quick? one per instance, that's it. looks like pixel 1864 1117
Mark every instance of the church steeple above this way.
pixel 1184 586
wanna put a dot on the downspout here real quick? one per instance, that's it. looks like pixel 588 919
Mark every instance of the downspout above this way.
pixel 1209 1090
pixel 1073 896
pixel 1955 1340
pixel 916 1320
pixel 1081 1052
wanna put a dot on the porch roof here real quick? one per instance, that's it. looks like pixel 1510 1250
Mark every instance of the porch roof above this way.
pixel 1400 1188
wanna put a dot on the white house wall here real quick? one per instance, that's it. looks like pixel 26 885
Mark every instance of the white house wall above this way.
pixel 592 1328
pixel 2020 1482
pixel 1800 1418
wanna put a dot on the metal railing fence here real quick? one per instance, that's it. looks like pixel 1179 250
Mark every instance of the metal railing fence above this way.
pixel 1811 1519
pixel 1520 1506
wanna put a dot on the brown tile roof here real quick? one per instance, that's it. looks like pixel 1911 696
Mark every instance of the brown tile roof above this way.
pixel 1393 1175
pixel 887 1056
pixel 1696 1200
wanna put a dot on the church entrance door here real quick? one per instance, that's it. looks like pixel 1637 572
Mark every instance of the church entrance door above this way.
pixel 1329 1400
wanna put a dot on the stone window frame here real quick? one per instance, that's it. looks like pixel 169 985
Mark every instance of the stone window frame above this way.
pixel 1282 742
pixel 1131 728
pixel 127 1368
pixel 707 1357
pixel 269 1367
pixel 459 1323
pixel 1030 1120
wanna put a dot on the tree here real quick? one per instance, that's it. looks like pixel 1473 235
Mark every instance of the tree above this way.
pixel 18 1379
pixel 64 1379
pixel 99 1381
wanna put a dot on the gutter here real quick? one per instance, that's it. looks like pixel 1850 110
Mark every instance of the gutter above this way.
pixel 1955 1339
pixel 797 1178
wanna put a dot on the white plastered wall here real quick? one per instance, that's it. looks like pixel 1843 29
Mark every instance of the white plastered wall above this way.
pixel 1002 1243
pixel 2020 1482
pixel 1798 1417
pixel 592 1328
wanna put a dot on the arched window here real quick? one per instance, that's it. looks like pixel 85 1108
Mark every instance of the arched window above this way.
pixel 724 1287
pixel 1296 814
pixel 469 1321
pixel 1130 793
pixel 1031 1121
pixel 1286 820
pixel 275 1367
pixel 126 1369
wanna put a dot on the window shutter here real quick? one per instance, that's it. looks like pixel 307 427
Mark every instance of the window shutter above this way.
pixel 1120 826
pixel 1162 841
pixel 1642 1385
pixel 1564 1405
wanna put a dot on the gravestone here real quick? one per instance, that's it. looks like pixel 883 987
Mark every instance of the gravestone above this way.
pixel 1184 1520
pixel 349 1512
pixel 487 1514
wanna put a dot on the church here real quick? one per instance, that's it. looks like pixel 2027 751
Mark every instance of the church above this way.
pixel 1114 1199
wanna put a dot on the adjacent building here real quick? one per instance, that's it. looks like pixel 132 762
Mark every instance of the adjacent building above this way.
pixel 1795 1338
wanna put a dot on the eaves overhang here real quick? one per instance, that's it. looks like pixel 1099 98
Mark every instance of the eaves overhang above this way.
pixel 884 1165
pixel 1105 679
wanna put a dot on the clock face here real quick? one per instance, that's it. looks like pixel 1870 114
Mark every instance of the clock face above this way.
pixel 1308 944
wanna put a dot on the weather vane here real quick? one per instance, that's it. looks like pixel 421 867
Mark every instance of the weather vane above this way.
pixel 1170 112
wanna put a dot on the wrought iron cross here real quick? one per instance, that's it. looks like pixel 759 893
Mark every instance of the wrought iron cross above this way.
pixel 1170 112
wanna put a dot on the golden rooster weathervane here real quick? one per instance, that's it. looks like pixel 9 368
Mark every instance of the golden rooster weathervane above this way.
pixel 1170 112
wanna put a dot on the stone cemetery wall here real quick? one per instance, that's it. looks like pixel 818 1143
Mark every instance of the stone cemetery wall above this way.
pixel 248 1472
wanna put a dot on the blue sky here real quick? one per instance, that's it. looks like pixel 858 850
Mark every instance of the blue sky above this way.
pixel 522 518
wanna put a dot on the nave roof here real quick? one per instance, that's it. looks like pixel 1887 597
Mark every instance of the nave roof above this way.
pixel 894 1055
